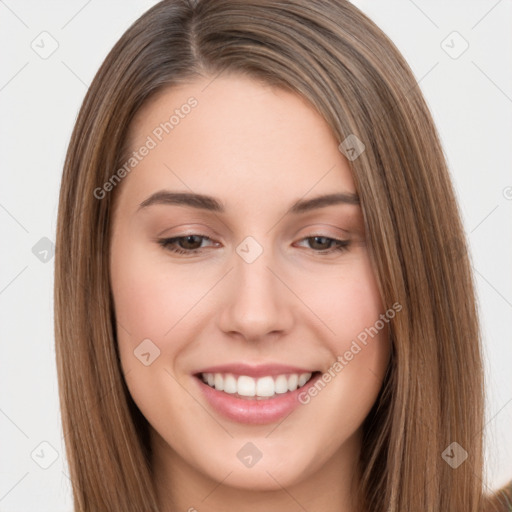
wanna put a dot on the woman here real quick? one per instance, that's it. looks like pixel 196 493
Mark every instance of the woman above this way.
pixel 264 371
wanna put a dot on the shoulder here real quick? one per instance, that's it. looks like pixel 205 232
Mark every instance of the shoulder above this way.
pixel 500 500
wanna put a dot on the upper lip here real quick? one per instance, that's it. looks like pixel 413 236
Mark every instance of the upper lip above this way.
pixel 259 370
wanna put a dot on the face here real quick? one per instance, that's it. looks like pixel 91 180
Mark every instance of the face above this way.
pixel 250 328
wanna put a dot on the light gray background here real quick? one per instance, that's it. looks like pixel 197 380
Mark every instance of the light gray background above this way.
pixel 471 101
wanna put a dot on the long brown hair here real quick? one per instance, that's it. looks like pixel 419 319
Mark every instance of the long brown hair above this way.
pixel 336 58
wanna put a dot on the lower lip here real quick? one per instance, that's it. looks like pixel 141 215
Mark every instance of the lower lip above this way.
pixel 254 411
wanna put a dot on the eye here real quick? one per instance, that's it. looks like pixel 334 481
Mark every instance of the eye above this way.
pixel 188 244
pixel 327 245
pixel 192 244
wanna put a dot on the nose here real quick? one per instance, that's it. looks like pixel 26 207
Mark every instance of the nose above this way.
pixel 257 302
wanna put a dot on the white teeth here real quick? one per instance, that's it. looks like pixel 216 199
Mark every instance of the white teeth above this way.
pixel 219 382
pixel 265 386
pixel 250 387
pixel 281 385
pixel 229 384
pixel 246 386
pixel 293 382
pixel 303 378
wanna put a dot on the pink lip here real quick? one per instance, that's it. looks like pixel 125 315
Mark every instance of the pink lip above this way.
pixel 253 411
pixel 261 370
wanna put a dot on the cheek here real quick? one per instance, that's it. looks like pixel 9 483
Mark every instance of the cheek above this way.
pixel 155 306
pixel 149 300
pixel 360 348
pixel 348 303
pixel 149 304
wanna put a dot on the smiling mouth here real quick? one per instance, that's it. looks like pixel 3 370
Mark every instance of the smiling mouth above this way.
pixel 262 388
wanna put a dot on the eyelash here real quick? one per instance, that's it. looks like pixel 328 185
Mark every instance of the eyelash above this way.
pixel 166 243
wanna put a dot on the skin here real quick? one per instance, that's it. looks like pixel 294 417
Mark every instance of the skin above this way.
pixel 257 149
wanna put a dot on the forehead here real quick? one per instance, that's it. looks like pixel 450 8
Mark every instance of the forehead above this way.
pixel 235 137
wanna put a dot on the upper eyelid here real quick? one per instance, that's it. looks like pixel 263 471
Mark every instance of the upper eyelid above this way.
pixel 315 232
pixel 206 237
pixel 201 235
pixel 355 229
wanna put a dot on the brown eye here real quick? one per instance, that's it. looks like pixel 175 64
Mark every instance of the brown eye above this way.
pixel 320 242
pixel 188 244
pixel 325 244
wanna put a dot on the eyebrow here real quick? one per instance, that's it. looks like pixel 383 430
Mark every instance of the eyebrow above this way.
pixel 209 203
